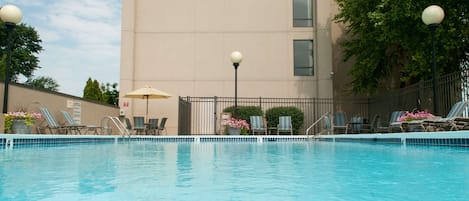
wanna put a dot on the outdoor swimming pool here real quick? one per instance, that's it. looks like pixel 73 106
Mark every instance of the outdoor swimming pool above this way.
pixel 145 170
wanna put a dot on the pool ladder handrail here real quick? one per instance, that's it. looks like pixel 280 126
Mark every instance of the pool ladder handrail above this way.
pixel 316 122
pixel 118 123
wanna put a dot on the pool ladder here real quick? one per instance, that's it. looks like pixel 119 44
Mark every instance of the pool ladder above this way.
pixel 316 123
pixel 108 121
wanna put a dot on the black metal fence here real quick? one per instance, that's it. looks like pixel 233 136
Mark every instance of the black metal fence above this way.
pixel 203 115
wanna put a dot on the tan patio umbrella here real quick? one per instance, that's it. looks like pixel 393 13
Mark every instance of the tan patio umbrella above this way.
pixel 147 92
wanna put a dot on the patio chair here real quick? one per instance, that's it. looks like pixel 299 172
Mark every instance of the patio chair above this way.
pixel 258 125
pixel 139 125
pixel 51 122
pixel 370 127
pixel 162 126
pixel 284 125
pixel 355 125
pixel 327 129
pixel 72 126
pixel 392 125
pixel 452 121
pixel 128 125
pixel 339 122
pixel 152 126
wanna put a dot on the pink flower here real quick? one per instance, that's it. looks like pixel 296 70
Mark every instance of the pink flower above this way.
pixel 410 116
pixel 24 115
pixel 236 123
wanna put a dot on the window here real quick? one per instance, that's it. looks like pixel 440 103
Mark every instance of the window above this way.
pixel 302 13
pixel 303 57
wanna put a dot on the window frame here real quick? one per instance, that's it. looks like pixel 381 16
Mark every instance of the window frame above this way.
pixel 297 69
pixel 303 21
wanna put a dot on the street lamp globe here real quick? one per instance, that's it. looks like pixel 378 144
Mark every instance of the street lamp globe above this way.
pixel 433 15
pixel 236 57
pixel 11 14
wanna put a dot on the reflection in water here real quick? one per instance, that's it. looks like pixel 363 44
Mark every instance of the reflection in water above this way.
pixel 184 166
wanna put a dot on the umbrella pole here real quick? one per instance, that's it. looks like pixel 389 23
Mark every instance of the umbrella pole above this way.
pixel 146 116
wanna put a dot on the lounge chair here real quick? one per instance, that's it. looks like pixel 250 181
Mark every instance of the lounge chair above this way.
pixel 51 123
pixel 139 125
pixel 284 125
pixel 162 126
pixel 452 121
pixel 258 125
pixel 72 126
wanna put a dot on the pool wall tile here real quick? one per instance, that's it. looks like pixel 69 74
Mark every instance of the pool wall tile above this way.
pixel 460 139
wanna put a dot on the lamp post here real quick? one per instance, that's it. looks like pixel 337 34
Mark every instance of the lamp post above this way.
pixel 236 58
pixel 432 17
pixel 10 15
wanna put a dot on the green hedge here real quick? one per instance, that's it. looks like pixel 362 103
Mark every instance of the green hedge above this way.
pixel 244 112
pixel 296 114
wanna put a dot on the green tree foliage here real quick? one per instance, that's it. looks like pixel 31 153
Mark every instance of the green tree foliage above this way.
pixel 110 93
pixel 43 82
pixel 391 46
pixel 106 93
pixel 98 94
pixel 26 46
pixel 87 91
pixel 92 90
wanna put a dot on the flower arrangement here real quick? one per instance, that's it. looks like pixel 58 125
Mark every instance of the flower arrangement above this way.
pixel 418 115
pixel 28 117
pixel 236 123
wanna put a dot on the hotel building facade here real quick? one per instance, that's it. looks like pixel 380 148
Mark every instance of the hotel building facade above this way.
pixel 289 50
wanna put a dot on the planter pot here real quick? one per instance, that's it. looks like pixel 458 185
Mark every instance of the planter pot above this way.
pixel 20 127
pixel 234 131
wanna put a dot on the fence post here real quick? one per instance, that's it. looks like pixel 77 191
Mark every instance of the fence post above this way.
pixel 260 102
pixel 419 95
pixel 215 102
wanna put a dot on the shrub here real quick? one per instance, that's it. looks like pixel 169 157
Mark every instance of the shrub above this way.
pixel 274 113
pixel 244 112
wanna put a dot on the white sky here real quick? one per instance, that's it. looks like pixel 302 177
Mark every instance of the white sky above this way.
pixel 81 39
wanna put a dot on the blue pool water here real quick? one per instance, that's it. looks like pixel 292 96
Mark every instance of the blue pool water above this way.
pixel 234 171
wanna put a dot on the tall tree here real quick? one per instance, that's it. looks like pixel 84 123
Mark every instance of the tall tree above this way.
pixel 87 91
pixel 26 46
pixel 391 46
pixel 110 93
pixel 43 82
pixel 92 90
pixel 106 93
pixel 98 94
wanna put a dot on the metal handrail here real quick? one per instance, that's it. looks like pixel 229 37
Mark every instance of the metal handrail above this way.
pixel 117 123
pixel 316 122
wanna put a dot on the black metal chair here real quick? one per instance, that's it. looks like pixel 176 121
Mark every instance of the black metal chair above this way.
pixel 152 126
pixel 162 125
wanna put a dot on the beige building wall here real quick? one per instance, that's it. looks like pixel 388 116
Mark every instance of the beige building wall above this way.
pixel 184 47
pixel 24 98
